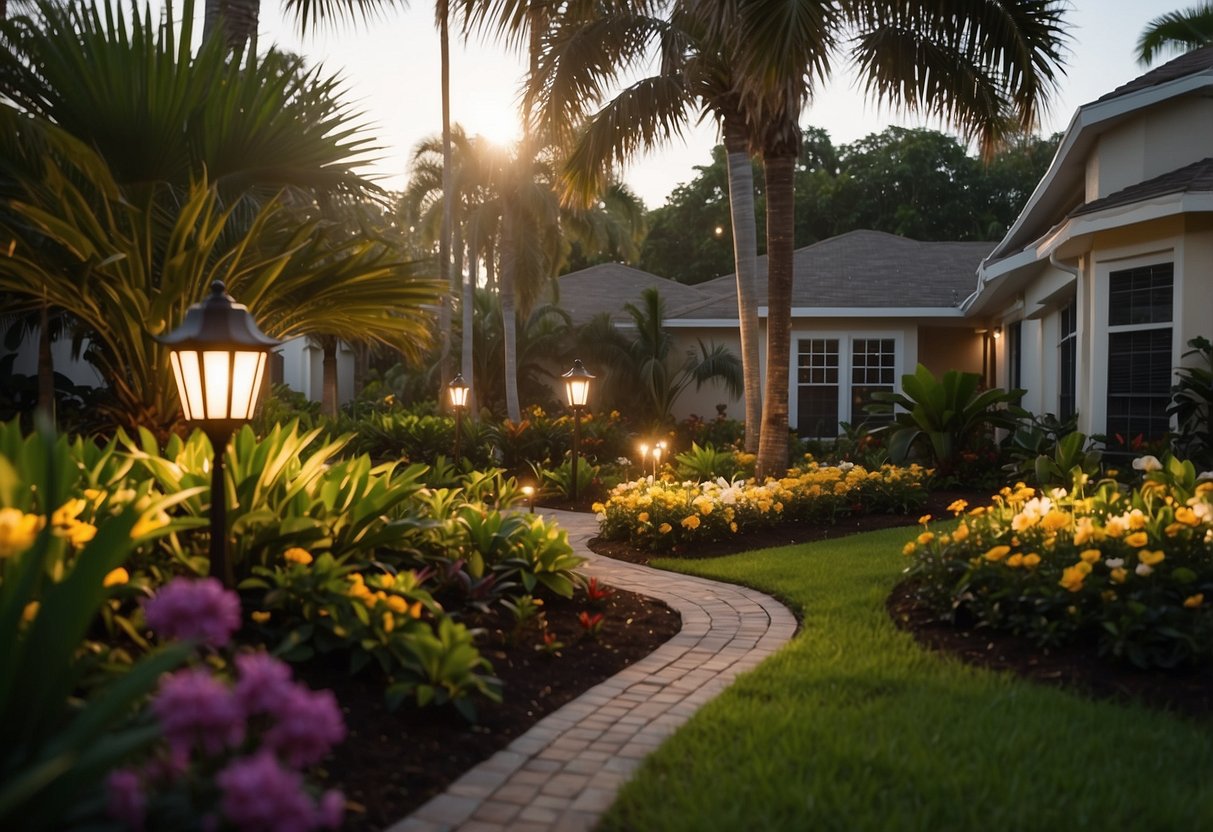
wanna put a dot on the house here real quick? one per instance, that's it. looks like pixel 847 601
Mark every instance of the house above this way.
pixel 1105 276
pixel 866 307
pixel 1099 285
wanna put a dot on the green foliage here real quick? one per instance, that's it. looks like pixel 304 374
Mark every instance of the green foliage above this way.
pixel 57 747
pixel 705 463
pixel 1191 403
pixel 1054 465
pixel 943 417
pixel 558 480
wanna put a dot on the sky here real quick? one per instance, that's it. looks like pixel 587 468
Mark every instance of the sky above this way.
pixel 391 70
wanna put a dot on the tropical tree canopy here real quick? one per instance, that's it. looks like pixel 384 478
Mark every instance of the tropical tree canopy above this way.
pixel 1176 32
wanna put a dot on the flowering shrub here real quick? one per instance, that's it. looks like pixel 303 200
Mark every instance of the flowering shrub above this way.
pixel 1127 569
pixel 232 753
pixel 660 514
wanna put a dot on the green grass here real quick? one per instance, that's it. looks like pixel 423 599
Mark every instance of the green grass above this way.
pixel 853 726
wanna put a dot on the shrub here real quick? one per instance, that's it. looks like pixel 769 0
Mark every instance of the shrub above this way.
pixel 1126 569
pixel 660 514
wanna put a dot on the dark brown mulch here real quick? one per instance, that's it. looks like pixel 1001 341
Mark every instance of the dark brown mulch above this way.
pixel 391 763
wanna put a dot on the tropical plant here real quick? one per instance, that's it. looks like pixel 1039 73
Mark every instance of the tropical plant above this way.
pixel 944 416
pixel 1192 404
pixel 705 463
pixel 56 746
pixel 648 359
pixel 1176 32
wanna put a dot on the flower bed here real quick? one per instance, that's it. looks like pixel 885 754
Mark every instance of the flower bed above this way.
pixel 1128 569
pixel 660 514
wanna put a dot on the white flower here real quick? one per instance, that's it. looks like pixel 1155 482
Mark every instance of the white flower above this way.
pixel 1058 494
pixel 600 516
pixel 1143 570
pixel 1114 563
pixel 1205 475
pixel 622 460
pixel 1146 464
pixel 845 466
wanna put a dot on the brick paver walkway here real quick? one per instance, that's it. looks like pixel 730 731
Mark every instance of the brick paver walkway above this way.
pixel 564 772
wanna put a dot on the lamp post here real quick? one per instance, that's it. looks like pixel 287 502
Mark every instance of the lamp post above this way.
pixel 644 458
pixel 458 390
pixel 658 450
pixel 218 357
pixel 577 389
pixel 528 491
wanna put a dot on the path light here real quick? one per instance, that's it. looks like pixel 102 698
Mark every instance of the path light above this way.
pixel 577 390
pixel 458 390
pixel 528 491
pixel 658 450
pixel 218 357
pixel 644 457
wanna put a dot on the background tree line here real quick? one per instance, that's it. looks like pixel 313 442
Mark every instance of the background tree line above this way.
pixel 918 183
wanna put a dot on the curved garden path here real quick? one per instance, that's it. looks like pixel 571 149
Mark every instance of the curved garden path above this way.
pixel 564 772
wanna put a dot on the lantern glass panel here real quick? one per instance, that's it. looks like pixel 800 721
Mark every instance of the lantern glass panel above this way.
pixel 246 379
pixel 578 390
pixel 189 383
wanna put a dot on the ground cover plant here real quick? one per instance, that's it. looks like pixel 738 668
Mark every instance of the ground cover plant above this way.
pixel 854 726
pixel 661 514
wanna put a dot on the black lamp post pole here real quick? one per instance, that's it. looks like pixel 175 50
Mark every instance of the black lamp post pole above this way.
pixel 458 432
pixel 221 567
pixel 576 450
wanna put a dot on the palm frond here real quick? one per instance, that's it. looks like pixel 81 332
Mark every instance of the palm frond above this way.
pixel 1176 32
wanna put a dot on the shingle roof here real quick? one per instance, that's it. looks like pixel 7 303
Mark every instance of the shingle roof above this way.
pixel 861 269
pixel 608 286
pixel 1197 176
pixel 1187 64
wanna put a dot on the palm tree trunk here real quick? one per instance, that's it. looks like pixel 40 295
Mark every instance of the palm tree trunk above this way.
pixel 444 242
pixel 328 375
pixel 46 365
pixel 745 256
pixel 237 20
pixel 468 309
pixel 781 226
pixel 509 321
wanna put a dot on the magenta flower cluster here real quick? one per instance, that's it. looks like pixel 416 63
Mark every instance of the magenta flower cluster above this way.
pixel 201 610
pixel 258 732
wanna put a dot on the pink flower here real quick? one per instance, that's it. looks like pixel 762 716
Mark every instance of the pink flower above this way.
pixel 193 707
pixel 309 724
pixel 259 795
pixel 194 609
pixel 125 800
pixel 263 683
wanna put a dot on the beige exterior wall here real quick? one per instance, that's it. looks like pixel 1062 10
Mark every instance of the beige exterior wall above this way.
pixel 1160 140
pixel 943 348
pixel 703 402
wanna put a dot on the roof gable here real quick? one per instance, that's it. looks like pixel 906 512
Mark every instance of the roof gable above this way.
pixel 607 287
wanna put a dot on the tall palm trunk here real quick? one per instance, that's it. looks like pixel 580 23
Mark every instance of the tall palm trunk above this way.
pixel 745 257
pixel 328 377
pixel 448 193
pixel 236 20
pixel 781 226
pixel 509 332
pixel 468 309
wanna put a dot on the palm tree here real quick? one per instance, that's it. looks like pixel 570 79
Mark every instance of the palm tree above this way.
pixel 581 57
pixel 1176 32
pixel 647 358
pixel 540 336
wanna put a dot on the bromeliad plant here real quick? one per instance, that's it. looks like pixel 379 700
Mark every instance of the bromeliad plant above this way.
pixel 660 515
pixel 1129 570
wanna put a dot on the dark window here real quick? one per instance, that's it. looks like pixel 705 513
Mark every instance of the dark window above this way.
pixel 817 387
pixel 1139 353
pixel 1067 355
pixel 872 369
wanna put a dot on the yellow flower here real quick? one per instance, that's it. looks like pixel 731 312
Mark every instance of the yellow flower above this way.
pixel 397 604
pixel 31 610
pixel 691 522
pixel 67 513
pixel 1194 601
pixel 1031 560
pixel 389 622
pixel 295 554
pixel 116 577
pixel 926 518
pixel 1015 561
pixel 1150 558
pixel 94 496
pixel 977 512
pixel 733 527
pixel 1187 516
pixel 961 533
pixel 909 548
pixel 665 528
pixel 81 533
pixel 643 517
pixel 1173 529
pixel 1090 555
pixel 958 506
pixel 1138 539
pixel 260 616
pixel 1056 520
pixel 1118 575
pixel 1073 576
pixel 926 537
pixel 997 553
pixel 17 531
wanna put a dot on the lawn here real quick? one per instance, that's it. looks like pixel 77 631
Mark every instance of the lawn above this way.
pixel 853 726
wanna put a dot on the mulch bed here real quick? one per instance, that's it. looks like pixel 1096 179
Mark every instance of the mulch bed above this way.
pixel 391 763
